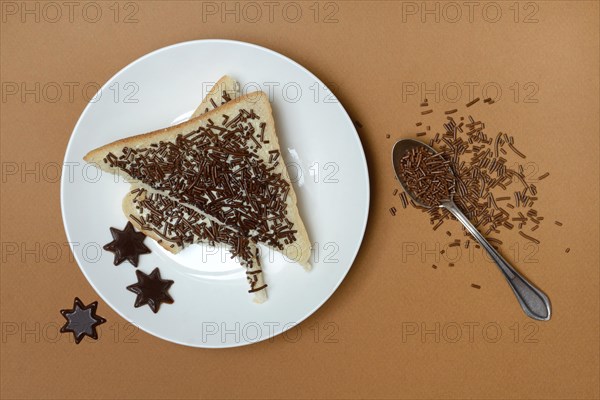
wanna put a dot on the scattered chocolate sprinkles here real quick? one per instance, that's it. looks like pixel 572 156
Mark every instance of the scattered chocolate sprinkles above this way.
pixel 490 184
pixel 475 286
pixel 568 249
pixel 558 223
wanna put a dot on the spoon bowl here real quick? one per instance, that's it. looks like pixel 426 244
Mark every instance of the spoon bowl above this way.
pixel 402 148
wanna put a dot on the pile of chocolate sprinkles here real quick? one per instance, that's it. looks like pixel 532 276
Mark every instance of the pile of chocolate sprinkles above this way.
pixel 427 176
pixel 492 195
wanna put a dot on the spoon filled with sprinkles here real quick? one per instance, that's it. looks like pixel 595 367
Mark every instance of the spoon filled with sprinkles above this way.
pixel 427 178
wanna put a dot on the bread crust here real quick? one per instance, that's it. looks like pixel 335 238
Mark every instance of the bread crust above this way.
pixel 215 95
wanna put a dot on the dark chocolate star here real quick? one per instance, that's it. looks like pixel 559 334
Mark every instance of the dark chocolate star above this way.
pixel 151 290
pixel 127 245
pixel 82 320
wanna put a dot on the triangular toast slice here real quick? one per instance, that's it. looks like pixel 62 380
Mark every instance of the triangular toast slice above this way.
pixel 215 164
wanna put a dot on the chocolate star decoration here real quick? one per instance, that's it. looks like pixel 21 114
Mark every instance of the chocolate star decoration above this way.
pixel 151 290
pixel 127 245
pixel 82 320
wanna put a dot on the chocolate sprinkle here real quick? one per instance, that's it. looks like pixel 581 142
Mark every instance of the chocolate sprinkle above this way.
pixel 544 176
pixel 469 104
pixel 534 240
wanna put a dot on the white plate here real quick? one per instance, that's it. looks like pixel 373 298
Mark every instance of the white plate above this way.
pixel 326 162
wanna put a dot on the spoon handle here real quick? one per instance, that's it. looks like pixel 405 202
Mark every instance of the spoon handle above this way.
pixel 533 301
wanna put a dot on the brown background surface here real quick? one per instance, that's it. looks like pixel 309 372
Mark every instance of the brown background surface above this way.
pixel 358 344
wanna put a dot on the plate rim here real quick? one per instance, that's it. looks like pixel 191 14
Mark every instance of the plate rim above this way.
pixel 363 159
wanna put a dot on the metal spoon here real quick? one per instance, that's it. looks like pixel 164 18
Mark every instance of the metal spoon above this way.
pixel 533 301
